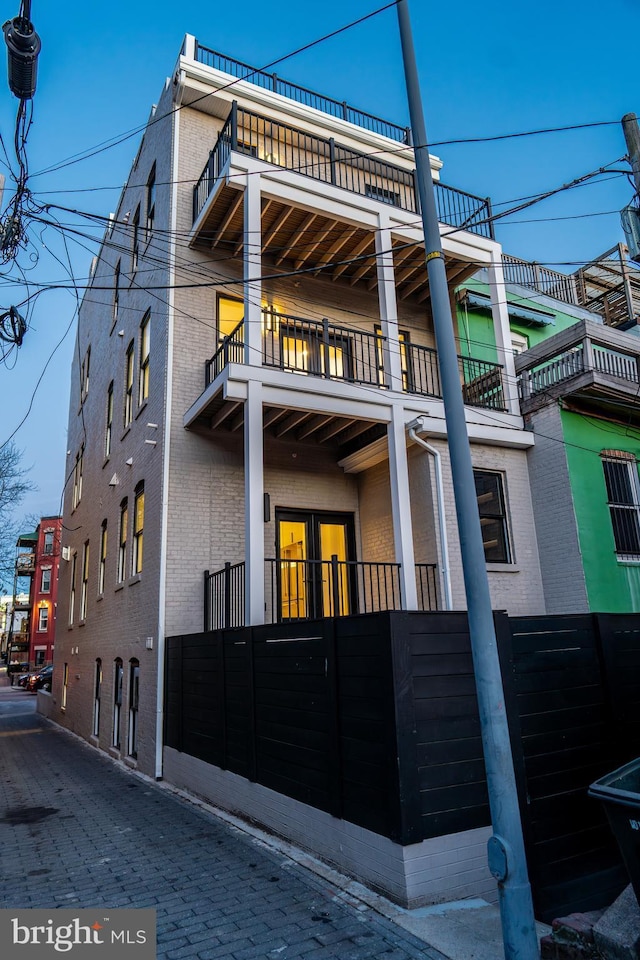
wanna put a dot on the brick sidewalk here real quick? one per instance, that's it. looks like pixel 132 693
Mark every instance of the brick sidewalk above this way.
pixel 76 829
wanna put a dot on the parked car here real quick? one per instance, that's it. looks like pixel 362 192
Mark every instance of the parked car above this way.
pixel 41 680
pixel 21 681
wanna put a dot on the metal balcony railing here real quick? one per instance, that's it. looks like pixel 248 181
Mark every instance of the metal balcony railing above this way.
pixel 274 83
pixel 325 160
pixel 310 589
pixel 324 349
pixel 542 279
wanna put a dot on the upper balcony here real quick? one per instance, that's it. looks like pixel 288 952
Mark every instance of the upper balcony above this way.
pixel 588 362
pixel 324 160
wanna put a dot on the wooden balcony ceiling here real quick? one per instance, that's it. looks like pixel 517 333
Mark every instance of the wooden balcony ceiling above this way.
pixel 296 239
pixel 284 423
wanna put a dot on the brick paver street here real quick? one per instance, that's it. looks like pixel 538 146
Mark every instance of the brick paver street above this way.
pixel 77 830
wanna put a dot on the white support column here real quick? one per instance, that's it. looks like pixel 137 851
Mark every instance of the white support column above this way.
pixel 388 305
pixel 500 312
pixel 401 508
pixel 252 271
pixel 253 505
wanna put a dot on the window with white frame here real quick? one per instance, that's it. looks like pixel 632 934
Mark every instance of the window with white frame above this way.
pixel 102 568
pixel 134 698
pixel 116 295
pixel 118 673
pixel 145 347
pixel 72 588
pixel 128 386
pixel 84 375
pixel 97 694
pixel 122 541
pixel 135 247
pixel 493 516
pixel 84 588
pixel 108 433
pixel 623 498
pixel 43 619
pixel 48 543
pixel 77 478
pixel 45 580
pixel 138 529
pixel 151 200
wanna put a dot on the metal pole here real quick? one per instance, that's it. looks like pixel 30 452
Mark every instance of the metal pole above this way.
pixel 632 139
pixel 507 860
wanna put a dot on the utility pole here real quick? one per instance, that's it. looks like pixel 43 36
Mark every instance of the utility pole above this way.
pixel 507 860
pixel 632 139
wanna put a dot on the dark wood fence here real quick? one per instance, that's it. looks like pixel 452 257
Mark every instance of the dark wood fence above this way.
pixel 374 719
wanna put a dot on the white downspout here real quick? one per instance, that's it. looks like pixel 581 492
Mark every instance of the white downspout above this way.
pixel 417 424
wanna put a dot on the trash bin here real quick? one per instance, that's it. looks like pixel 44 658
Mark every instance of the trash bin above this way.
pixel 620 793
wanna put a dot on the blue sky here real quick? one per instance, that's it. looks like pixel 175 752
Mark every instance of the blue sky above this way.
pixel 485 69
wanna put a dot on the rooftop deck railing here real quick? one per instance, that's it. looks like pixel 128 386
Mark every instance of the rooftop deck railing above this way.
pixel 323 349
pixel 542 279
pixel 293 91
pixel 325 160
pixel 308 589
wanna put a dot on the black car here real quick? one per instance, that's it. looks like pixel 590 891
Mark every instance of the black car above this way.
pixel 41 680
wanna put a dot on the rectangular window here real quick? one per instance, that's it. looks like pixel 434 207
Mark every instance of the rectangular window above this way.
pixel 102 570
pixel 109 422
pixel 116 295
pixel 135 248
pixel 117 701
pixel 151 200
pixel 43 619
pixel 72 589
pixel 97 694
pixel 138 529
pixel 623 496
pixel 65 686
pixel 122 543
pixel 128 386
pixel 230 313
pixel 145 346
pixel 77 478
pixel 48 543
pixel 84 376
pixel 382 194
pixel 493 516
pixel 85 581
pixel 134 698
pixel 45 581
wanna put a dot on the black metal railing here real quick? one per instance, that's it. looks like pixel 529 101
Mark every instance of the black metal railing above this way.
pixel 427 584
pixel 293 91
pixel 224 597
pixel 308 589
pixel 324 349
pixel 482 383
pixel 324 159
pixel 231 350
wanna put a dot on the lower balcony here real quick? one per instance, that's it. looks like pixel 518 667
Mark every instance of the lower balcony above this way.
pixel 311 589
pixel 324 349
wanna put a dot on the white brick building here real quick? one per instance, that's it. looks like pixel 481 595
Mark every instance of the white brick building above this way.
pixel 250 352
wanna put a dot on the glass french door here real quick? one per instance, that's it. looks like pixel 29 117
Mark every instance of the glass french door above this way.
pixel 315 578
